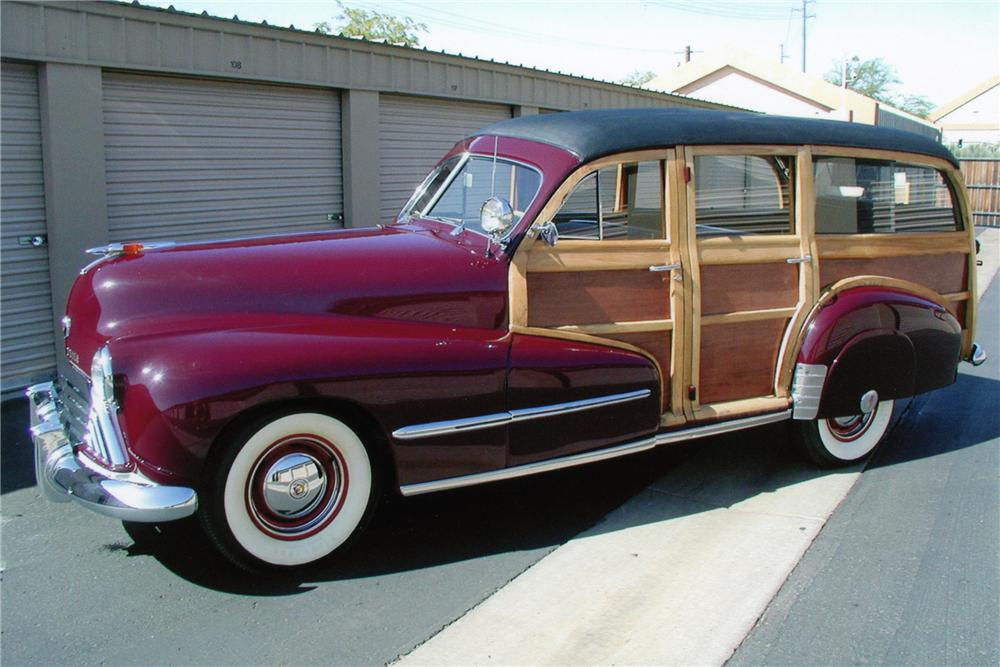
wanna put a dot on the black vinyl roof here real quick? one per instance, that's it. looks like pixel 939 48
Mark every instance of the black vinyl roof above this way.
pixel 595 133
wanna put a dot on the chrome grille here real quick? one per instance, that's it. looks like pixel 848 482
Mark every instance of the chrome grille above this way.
pixel 74 395
pixel 94 425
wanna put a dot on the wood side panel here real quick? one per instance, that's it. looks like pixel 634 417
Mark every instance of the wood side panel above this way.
pixel 859 246
pixel 728 288
pixel 598 257
pixel 592 297
pixel 941 273
pixel 658 344
pixel 738 360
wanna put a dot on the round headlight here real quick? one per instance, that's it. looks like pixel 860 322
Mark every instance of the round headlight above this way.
pixel 101 376
pixel 496 216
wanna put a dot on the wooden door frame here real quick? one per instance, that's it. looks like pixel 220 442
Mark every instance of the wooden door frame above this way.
pixel 579 255
pixel 753 250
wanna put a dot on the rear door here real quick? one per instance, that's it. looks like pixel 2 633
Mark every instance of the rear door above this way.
pixel 751 275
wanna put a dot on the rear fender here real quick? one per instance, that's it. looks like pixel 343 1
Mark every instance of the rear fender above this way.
pixel 873 338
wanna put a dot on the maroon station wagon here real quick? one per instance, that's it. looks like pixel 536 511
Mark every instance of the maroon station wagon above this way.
pixel 561 289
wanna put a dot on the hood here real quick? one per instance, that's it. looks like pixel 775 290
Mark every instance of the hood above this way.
pixel 414 272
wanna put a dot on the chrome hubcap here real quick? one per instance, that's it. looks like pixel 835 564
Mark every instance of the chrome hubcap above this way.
pixel 293 485
pixel 850 428
pixel 297 487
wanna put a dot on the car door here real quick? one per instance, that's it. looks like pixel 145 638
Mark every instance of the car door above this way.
pixel 598 313
pixel 753 274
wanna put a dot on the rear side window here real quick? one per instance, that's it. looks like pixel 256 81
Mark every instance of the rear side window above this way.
pixel 736 195
pixel 881 197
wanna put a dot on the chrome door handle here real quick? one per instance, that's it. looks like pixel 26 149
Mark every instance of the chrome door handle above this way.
pixel 665 267
pixel 799 260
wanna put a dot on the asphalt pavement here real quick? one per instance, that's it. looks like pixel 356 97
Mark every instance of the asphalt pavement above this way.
pixel 907 570
pixel 82 589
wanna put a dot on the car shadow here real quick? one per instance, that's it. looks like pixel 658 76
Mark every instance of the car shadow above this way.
pixel 545 511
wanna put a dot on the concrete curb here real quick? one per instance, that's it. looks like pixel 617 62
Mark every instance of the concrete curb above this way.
pixel 676 576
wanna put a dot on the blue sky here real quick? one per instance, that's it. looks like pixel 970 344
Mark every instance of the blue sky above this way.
pixel 939 49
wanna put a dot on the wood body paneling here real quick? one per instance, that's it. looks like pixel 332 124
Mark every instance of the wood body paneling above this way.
pixel 738 360
pixel 942 273
pixel 590 297
pixel 734 287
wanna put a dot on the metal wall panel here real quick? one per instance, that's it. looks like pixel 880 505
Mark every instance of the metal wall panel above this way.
pixel 123 36
pixel 886 118
pixel 26 331
pixel 192 159
pixel 414 133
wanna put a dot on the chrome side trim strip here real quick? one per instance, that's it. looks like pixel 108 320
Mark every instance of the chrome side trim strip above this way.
pixel 524 414
pixel 430 429
pixel 807 387
pixel 451 426
pixel 592 457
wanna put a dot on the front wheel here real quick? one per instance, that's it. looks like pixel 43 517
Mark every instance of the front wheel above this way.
pixel 289 491
pixel 840 441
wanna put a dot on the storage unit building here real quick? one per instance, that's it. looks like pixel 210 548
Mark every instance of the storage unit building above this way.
pixel 122 122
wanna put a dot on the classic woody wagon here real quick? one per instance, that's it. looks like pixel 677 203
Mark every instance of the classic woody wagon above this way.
pixel 561 289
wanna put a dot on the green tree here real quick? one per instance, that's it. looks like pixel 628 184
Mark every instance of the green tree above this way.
pixel 637 78
pixel 374 26
pixel 876 79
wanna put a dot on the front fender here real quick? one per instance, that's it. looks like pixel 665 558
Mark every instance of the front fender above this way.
pixel 181 390
pixel 885 339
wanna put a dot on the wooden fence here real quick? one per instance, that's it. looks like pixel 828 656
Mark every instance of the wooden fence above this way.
pixel 982 177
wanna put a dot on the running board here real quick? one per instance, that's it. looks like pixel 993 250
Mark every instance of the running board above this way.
pixel 592 457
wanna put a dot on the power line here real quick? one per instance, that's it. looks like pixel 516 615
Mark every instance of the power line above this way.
pixel 471 24
pixel 727 10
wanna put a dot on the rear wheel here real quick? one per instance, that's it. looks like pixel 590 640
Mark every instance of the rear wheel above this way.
pixel 840 441
pixel 289 491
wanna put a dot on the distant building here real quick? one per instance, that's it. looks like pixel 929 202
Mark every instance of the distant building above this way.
pixel 743 79
pixel 973 117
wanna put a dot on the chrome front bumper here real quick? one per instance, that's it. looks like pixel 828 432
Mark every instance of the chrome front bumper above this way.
pixel 63 476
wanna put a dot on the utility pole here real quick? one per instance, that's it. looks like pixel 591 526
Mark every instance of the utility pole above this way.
pixel 805 15
pixel 783 57
pixel 687 53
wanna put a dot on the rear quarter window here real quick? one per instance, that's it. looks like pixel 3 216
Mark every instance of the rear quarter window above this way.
pixel 855 196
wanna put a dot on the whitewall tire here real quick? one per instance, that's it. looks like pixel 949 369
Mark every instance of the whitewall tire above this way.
pixel 840 441
pixel 289 491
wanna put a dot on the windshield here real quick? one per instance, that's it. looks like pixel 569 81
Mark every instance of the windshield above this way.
pixel 464 193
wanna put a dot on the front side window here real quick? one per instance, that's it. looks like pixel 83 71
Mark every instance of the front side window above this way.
pixel 617 202
pixel 856 196
pixel 737 195
pixel 479 179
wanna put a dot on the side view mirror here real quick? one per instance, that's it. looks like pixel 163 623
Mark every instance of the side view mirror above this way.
pixel 496 217
pixel 549 233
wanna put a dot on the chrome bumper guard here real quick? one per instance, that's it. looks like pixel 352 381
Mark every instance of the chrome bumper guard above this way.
pixel 63 476
pixel 977 355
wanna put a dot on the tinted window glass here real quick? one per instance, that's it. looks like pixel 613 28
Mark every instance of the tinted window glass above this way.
pixel 622 202
pixel 743 194
pixel 877 196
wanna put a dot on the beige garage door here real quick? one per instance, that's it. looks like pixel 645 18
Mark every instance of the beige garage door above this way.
pixel 414 132
pixel 191 159
pixel 26 327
